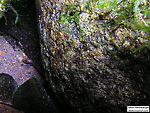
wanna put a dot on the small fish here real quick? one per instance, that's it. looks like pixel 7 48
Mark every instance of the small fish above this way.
pixel 27 61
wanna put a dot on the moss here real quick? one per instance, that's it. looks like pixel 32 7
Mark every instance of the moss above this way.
pixel 5 6
pixel 132 15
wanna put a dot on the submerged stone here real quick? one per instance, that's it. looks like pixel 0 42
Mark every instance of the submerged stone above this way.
pixel 81 73
pixel 31 98
pixel 8 86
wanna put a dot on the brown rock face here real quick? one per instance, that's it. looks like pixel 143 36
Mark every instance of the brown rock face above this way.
pixel 81 73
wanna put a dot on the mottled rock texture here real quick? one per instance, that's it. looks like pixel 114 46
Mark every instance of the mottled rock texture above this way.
pixel 80 72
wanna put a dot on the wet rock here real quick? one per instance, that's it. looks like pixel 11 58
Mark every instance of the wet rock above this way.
pixel 81 74
pixel 31 98
pixel 8 109
pixel 8 87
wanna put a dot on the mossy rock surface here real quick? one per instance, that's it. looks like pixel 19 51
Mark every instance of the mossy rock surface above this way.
pixel 81 73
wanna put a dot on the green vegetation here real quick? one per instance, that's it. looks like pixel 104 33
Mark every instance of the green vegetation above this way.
pixel 131 15
pixel 71 16
pixel 5 7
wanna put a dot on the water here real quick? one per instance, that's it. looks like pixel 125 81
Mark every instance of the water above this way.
pixel 27 17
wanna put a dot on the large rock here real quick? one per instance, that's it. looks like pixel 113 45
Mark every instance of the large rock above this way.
pixel 81 74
